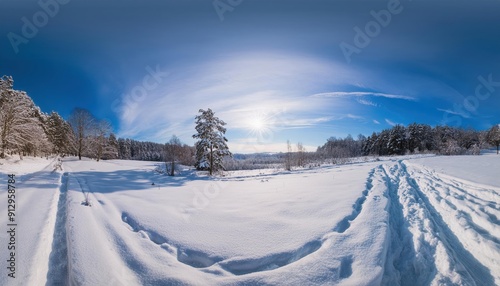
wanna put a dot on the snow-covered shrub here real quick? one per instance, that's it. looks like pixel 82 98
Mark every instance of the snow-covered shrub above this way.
pixel 474 150
pixel 451 147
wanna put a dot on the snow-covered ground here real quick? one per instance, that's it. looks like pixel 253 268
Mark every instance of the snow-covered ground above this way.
pixel 400 221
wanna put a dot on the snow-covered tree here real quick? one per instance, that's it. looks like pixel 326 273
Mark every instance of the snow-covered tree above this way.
pixel 397 140
pixel 211 147
pixel 82 123
pixel 111 148
pixel 493 136
pixel 59 133
pixel 20 126
pixel 419 137
pixel 124 149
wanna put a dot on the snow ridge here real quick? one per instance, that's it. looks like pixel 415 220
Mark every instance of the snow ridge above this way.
pixel 193 258
pixel 345 223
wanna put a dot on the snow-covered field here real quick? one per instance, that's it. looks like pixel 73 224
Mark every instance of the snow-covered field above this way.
pixel 400 221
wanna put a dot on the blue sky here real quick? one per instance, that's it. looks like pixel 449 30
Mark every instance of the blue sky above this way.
pixel 273 70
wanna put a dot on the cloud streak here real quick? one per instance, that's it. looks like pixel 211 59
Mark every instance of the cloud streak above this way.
pixel 463 114
pixel 362 94
pixel 367 102
pixel 390 122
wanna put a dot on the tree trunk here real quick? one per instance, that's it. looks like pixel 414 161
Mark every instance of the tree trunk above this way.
pixel 497 148
pixel 4 140
pixel 211 159
pixel 172 168
pixel 3 150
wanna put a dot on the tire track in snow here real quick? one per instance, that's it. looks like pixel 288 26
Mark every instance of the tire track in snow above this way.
pixel 58 259
pixel 431 239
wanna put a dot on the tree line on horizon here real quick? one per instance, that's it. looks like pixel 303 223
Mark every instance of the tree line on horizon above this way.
pixel 414 138
pixel 26 130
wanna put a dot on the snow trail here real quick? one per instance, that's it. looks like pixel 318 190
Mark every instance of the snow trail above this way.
pixel 36 207
pixel 424 249
pixel 401 253
pixel 470 211
pixel 58 259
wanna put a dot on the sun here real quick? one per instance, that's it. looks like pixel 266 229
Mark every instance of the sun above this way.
pixel 260 126
pixel 257 124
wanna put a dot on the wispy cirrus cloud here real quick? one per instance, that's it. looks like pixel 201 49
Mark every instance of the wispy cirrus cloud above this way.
pixel 390 122
pixel 366 102
pixel 352 116
pixel 463 114
pixel 362 94
pixel 376 121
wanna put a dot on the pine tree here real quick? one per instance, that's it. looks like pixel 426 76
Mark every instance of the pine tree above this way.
pixel 111 148
pixel 58 132
pixel 397 140
pixel 211 147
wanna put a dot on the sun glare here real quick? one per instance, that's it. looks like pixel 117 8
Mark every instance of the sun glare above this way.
pixel 257 124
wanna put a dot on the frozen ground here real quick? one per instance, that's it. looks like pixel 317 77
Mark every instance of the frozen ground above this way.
pixel 399 221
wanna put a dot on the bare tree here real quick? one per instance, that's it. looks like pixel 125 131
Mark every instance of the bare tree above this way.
pixel 102 130
pixel 301 155
pixel 288 156
pixel 173 150
pixel 82 123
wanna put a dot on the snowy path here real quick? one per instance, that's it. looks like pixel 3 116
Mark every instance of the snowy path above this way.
pixel 58 260
pixel 36 210
pixel 425 248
